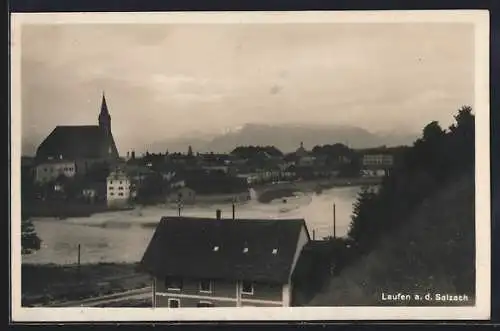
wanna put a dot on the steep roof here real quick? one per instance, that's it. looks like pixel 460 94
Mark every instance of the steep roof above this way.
pixel 72 142
pixel 184 247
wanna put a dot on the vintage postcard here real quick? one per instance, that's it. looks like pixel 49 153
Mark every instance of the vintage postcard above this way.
pixel 250 166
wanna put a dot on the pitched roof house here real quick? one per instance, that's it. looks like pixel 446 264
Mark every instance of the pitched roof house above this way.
pixel 201 262
pixel 81 141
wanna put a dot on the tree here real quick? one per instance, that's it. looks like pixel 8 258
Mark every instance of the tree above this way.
pixel 30 241
pixel 362 220
pixel 436 158
pixel 190 151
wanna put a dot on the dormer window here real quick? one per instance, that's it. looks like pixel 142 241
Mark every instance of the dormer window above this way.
pixel 245 250
pixel 216 248
pixel 275 251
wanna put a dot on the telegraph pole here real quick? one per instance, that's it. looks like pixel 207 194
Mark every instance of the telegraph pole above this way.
pixel 179 207
pixel 234 209
pixel 334 222
pixel 78 261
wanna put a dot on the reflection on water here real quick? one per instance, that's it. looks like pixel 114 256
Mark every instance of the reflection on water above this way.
pixel 123 236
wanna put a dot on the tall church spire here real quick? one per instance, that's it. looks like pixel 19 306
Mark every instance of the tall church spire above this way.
pixel 104 106
pixel 104 117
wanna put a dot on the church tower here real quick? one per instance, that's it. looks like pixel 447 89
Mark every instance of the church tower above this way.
pixel 105 126
pixel 104 117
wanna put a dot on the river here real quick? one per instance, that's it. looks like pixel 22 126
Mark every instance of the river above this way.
pixel 122 236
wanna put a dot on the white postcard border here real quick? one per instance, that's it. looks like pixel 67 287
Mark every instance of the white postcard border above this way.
pixel 482 309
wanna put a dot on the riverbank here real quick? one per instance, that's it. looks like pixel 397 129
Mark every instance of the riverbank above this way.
pixel 269 192
pixel 63 209
pixel 43 285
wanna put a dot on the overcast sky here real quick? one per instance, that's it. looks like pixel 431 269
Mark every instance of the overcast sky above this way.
pixel 164 81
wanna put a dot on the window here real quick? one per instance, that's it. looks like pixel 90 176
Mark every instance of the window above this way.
pixel 173 283
pixel 120 194
pixel 275 251
pixel 120 188
pixel 205 286
pixel 216 248
pixel 111 187
pixel 174 303
pixel 111 194
pixel 246 287
pixel 245 250
pixel 120 181
pixel 111 182
pixel 204 304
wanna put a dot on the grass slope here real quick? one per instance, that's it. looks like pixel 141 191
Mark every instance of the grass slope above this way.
pixel 434 254
pixel 45 284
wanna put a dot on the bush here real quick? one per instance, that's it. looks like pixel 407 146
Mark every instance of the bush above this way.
pixel 29 239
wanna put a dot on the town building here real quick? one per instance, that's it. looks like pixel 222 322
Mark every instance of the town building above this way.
pixel 203 262
pixel 378 160
pixel 119 188
pixel 50 170
pixel 84 145
pixel 94 192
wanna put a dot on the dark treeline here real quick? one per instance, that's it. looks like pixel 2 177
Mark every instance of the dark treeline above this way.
pixel 434 160
pixel 249 152
pixel 215 182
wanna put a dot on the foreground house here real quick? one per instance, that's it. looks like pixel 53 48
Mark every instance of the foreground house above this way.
pixel 202 262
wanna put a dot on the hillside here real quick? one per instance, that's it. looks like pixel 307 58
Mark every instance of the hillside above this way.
pixel 435 253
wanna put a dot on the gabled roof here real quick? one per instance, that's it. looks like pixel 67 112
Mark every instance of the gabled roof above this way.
pixel 184 247
pixel 73 142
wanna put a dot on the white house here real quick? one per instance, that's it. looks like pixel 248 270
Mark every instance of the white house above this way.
pixel 119 188
pixel 373 173
pixel 51 169
pixel 378 160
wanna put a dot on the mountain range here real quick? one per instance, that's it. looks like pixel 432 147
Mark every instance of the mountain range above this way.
pixel 287 138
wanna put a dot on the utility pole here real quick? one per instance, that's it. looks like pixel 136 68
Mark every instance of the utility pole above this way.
pixel 334 222
pixel 234 209
pixel 314 234
pixel 179 207
pixel 78 261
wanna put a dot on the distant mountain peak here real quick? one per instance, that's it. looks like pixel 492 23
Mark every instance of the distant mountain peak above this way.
pixel 286 137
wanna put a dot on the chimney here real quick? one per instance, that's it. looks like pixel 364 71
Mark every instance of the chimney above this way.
pixel 218 214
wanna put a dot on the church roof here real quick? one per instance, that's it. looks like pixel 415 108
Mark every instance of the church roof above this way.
pixel 73 142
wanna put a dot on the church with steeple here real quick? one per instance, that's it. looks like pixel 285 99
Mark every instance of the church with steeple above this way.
pixel 82 144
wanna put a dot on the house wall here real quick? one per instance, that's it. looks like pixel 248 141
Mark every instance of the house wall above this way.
pixel 373 173
pixel 223 294
pixel 45 172
pixel 378 160
pixel 288 289
pixel 118 190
